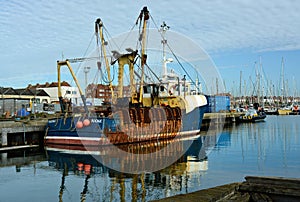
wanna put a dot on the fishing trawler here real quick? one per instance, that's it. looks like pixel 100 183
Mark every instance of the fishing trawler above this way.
pixel 145 111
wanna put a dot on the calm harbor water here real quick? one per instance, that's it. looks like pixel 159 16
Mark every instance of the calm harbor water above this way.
pixel 270 148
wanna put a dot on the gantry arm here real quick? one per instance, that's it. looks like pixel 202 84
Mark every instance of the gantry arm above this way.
pixel 67 63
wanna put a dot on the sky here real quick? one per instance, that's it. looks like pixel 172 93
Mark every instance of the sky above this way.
pixel 237 34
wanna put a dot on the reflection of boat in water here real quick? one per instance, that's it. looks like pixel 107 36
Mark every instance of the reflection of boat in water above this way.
pixel 129 157
pixel 83 164
pixel 253 115
pixel 148 112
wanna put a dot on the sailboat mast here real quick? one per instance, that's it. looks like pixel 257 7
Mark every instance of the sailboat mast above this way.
pixel 261 87
pixel 99 26
pixel 257 82
pixel 282 79
pixel 145 16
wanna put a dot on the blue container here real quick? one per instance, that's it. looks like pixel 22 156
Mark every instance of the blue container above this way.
pixel 211 104
pixel 217 103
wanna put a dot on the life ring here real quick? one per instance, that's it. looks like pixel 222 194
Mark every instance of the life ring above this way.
pixel 249 117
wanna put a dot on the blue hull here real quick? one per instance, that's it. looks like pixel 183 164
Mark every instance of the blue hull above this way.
pixel 105 131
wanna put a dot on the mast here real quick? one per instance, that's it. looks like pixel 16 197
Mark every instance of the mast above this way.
pixel 256 84
pixel 217 86
pixel 144 15
pixel 282 80
pixel 163 29
pixel 261 86
pixel 240 94
pixel 99 27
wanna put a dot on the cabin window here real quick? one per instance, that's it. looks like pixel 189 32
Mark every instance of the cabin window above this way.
pixel 147 89
pixel 155 90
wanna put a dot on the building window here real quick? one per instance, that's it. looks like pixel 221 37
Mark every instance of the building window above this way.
pixel 35 100
pixel 44 101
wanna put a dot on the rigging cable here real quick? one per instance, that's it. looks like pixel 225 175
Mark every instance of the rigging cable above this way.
pixel 127 36
pixel 174 55
pixel 75 60
pixel 100 54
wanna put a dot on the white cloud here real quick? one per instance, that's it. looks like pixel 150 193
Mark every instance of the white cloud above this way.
pixel 37 29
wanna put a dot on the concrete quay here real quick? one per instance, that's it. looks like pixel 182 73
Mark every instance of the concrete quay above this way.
pixel 25 127
pixel 219 120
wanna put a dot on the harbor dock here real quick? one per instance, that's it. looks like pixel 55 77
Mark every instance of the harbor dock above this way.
pixel 14 134
pixel 254 188
pixel 23 132
pixel 217 120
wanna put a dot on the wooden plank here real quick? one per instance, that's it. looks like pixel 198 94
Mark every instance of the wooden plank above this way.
pixel 219 193
pixel 278 181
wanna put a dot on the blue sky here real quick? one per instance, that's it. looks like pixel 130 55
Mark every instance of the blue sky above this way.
pixel 35 34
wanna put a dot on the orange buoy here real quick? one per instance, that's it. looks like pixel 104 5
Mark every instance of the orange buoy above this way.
pixel 86 122
pixel 87 169
pixel 79 124
pixel 80 166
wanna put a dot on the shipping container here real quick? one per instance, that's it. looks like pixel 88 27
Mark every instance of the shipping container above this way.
pixel 217 104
